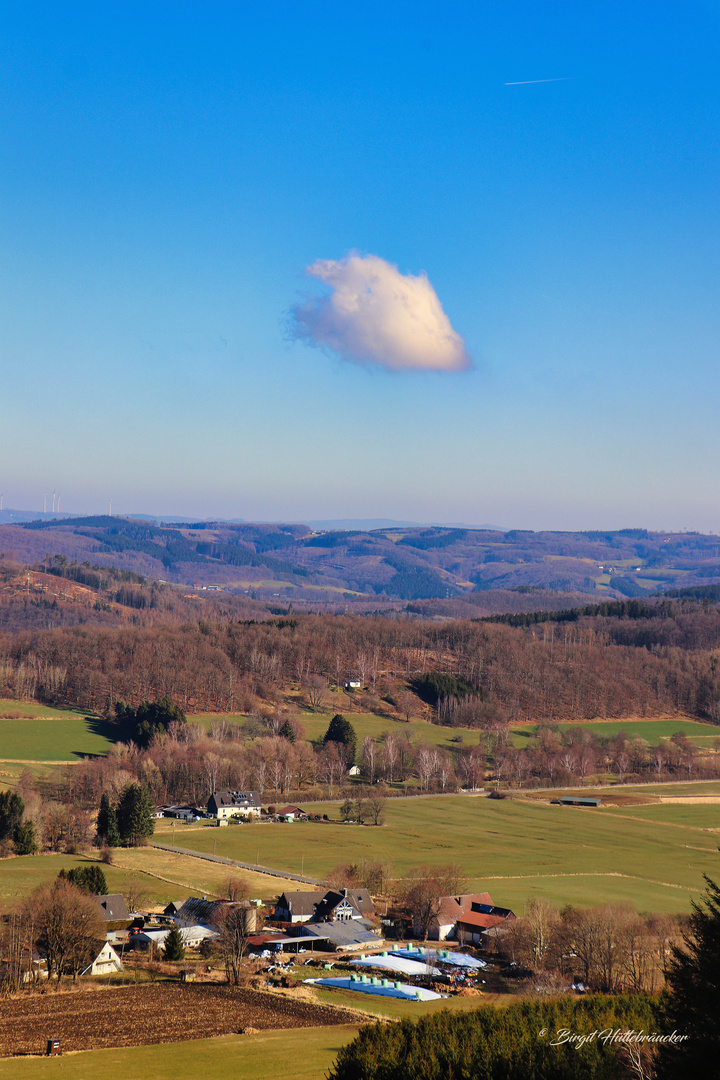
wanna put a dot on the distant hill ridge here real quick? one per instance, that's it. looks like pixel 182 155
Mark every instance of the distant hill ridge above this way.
pixel 293 563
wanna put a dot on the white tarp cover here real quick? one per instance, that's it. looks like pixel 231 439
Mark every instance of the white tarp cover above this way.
pixel 396 963
pixel 382 987
pixel 439 956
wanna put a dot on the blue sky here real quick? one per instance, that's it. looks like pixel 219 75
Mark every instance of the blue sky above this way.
pixel 169 171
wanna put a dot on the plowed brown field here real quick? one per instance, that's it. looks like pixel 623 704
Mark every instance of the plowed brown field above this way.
pixel 139 1015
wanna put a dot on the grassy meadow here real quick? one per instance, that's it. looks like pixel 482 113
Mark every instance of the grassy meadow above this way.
pixel 38 733
pixel 653 731
pixel 161 875
pixel 301 1054
pixel 517 849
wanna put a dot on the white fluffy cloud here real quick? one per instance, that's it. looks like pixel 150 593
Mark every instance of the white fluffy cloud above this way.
pixel 376 315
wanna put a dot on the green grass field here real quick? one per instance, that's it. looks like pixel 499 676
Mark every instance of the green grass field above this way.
pixel 517 849
pixel 33 708
pixel 693 815
pixel 392 1008
pixel 653 731
pixel 162 875
pixel 42 733
pixel 302 1054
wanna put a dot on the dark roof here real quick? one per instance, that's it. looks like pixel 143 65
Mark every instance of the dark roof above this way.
pixel 113 907
pixel 301 902
pixel 241 799
pixel 357 898
pixel 173 907
pixel 200 912
pixel 491 909
pixel 342 934
pixel 320 904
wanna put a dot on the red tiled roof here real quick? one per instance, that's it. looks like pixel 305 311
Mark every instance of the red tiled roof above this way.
pixel 478 920
pixel 454 907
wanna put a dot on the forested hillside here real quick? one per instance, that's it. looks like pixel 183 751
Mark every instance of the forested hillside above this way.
pixel 624 661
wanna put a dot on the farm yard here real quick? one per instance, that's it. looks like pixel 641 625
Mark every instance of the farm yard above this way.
pixel 153 1013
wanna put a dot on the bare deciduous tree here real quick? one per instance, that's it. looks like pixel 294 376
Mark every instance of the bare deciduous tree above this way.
pixel 68 927
pixel 236 928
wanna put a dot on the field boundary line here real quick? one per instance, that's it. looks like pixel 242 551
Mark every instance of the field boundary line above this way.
pixel 241 865
pixel 591 874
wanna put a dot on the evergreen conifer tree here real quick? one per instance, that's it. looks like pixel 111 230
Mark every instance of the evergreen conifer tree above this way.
pixel 173 948
pixel 341 731
pixel 107 833
pixel 12 809
pixel 25 843
pixel 692 1007
pixel 90 879
pixel 134 815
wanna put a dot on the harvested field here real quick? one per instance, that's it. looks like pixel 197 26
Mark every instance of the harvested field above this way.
pixel 143 1015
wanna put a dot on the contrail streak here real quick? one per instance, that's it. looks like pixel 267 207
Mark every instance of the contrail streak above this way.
pixel 531 82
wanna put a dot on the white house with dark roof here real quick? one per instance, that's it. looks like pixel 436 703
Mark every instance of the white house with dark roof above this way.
pixel 324 905
pixel 227 804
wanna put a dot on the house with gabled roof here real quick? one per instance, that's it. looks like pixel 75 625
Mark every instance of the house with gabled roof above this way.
pixel 344 904
pixel 324 905
pixel 227 804
pixel 212 913
pixel 292 813
pixel 468 914
pixel 298 905
pixel 113 908
pixel 105 963
pixel 473 924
